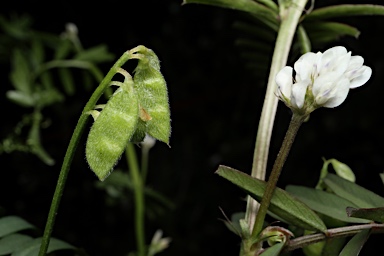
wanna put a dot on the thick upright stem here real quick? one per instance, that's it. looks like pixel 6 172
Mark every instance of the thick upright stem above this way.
pixel 289 15
pixel 139 198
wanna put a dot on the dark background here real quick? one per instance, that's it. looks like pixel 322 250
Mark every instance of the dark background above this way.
pixel 215 106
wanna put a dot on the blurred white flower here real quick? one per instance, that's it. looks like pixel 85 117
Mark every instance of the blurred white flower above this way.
pixel 158 243
pixel 321 79
pixel 148 142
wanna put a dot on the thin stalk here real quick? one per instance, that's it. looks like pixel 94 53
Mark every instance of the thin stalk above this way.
pixel 79 129
pixel 144 163
pixel 289 138
pixel 139 198
pixel 290 16
pixel 249 244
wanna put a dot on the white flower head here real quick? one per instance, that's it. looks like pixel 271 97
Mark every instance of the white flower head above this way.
pixel 321 79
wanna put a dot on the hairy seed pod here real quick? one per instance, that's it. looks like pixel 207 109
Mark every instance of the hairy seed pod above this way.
pixel 112 129
pixel 152 91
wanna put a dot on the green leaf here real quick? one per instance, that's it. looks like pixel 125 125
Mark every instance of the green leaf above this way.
pixel 274 250
pixel 354 245
pixel 95 54
pixel 21 98
pixel 382 177
pixel 325 203
pixel 324 32
pixel 37 53
pixel 34 140
pixel 375 214
pixel 13 242
pixel 305 43
pixel 342 170
pixel 63 49
pixel 32 248
pixel 259 11
pixel 20 75
pixel 361 197
pixel 67 80
pixel 12 224
pixel 282 204
pixel 343 10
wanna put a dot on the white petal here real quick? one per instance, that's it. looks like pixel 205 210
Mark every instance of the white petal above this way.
pixel 306 66
pixel 355 63
pixel 324 83
pixel 339 94
pixel 284 82
pixel 298 93
pixel 335 59
pixel 364 75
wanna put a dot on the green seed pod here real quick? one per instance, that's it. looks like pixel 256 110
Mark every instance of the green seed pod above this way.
pixel 113 129
pixel 152 91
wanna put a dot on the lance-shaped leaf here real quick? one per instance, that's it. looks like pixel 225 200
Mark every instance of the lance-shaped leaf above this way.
pixel 342 10
pixel 303 39
pixel 13 224
pixel 282 204
pixel 375 214
pixel 13 242
pixel 32 248
pixel 354 245
pixel 259 11
pixel 324 32
pixel 274 250
pixel 361 197
pixel 325 203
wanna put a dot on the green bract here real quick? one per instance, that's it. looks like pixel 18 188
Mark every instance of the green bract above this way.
pixel 138 107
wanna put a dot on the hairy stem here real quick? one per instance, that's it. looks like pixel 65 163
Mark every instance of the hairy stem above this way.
pixel 332 233
pixel 289 19
pixel 79 129
pixel 139 198
pixel 250 244
pixel 289 138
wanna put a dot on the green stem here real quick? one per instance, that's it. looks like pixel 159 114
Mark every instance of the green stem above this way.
pixel 139 198
pixel 290 16
pixel 293 128
pixel 249 244
pixel 71 64
pixel 144 163
pixel 332 233
pixel 81 124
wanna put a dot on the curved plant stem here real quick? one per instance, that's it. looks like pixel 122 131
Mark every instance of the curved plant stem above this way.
pixel 289 15
pixel 71 64
pixel 81 124
pixel 138 188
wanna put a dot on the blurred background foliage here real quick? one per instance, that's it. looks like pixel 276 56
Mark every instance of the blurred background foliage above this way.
pixel 216 87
